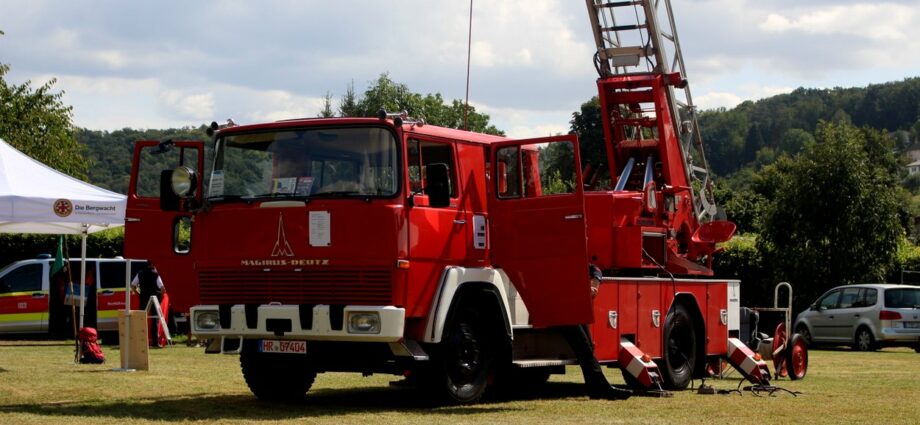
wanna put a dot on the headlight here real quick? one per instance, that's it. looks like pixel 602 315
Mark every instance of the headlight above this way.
pixel 184 181
pixel 207 321
pixel 364 323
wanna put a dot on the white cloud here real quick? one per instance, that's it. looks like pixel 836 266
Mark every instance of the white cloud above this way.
pixel 191 107
pixel 876 21
pixel 713 100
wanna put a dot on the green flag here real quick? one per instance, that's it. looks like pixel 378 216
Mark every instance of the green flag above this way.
pixel 59 257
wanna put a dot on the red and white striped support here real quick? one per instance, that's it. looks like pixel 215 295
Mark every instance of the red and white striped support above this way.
pixel 639 365
pixel 751 365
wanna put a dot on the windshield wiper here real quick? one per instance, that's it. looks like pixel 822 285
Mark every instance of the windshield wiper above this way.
pixel 339 193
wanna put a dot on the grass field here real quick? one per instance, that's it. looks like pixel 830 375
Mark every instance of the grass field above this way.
pixel 39 384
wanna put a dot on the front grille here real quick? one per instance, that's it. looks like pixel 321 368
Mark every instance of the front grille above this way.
pixel 354 286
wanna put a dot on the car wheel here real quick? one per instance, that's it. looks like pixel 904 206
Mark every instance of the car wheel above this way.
pixel 680 348
pixel 864 340
pixel 806 335
pixel 917 348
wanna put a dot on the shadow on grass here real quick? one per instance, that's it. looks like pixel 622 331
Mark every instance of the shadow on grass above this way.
pixel 319 403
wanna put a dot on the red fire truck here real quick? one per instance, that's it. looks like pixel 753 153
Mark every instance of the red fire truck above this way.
pixel 384 245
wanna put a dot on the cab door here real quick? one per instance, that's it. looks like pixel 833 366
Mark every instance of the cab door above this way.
pixel 164 236
pixel 538 227
pixel 24 299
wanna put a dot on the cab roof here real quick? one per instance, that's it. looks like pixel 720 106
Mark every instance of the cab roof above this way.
pixel 412 128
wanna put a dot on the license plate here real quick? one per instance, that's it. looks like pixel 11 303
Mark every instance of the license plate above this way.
pixel 912 325
pixel 277 346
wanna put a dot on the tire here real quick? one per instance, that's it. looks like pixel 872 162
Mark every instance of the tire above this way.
pixel 917 348
pixel 863 341
pixel 802 330
pixel 780 348
pixel 463 363
pixel 797 357
pixel 274 376
pixel 679 350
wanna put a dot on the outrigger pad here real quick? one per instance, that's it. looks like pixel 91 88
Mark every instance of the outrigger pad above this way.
pixel 750 365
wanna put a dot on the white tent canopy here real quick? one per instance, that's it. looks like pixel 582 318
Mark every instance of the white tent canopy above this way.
pixel 35 198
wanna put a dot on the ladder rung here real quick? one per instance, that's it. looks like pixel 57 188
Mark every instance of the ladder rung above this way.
pixel 617 28
pixel 617 4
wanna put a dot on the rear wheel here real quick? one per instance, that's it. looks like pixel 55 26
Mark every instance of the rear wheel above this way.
pixel 864 340
pixel 276 376
pixel 680 349
pixel 797 357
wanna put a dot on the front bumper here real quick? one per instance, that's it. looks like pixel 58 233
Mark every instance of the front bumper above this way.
pixel 285 322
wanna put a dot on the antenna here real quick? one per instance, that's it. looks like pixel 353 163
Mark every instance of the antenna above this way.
pixel 469 49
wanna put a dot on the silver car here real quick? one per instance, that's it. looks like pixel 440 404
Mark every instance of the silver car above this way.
pixel 866 316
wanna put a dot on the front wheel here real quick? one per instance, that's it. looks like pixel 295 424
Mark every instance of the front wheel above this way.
pixel 276 376
pixel 806 335
pixel 463 363
pixel 680 349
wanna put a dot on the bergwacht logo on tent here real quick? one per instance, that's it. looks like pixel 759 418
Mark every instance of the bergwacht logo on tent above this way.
pixel 63 207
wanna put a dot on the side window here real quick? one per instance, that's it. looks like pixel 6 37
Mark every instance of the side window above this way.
pixel 830 300
pixel 867 297
pixel 111 274
pixel 849 298
pixel 422 153
pixel 536 170
pixel 22 279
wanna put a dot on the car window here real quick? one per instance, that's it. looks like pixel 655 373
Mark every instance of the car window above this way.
pixel 867 298
pixel 22 279
pixel 902 298
pixel 111 274
pixel 830 300
pixel 848 298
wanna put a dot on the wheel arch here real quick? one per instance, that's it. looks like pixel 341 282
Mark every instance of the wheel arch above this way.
pixel 458 286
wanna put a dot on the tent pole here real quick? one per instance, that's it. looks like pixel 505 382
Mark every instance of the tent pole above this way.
pixel 83 294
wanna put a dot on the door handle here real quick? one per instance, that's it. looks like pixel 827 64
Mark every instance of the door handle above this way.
pixel 855 315
pixel 108 292
pixel 459 221
pixel 574 217
pixel 830 317
pixel 38 295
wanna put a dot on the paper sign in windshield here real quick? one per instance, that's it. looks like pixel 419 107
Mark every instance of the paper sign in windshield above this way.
pixel 320 223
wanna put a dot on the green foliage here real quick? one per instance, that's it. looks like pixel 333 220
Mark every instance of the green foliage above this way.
pixel 396 97
pixel 586 124
pixel 111 154
pixel 104 244
pixel 36 122
pixel 906 260
pixel 833 216
pixel 742 260
pixel 751 126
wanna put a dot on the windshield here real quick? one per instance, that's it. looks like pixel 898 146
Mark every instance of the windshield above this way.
pixel 357 161
pixel 902 298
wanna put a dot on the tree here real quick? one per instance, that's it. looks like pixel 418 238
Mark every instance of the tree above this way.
pixel 36 122
pixel 326 112
pixel 391 96
pixel 833 216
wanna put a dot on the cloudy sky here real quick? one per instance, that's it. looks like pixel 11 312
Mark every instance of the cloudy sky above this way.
pixel 182 63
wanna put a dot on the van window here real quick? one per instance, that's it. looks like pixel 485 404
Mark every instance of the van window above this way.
pixel 830 300
pixel 22 279
pixel 90 271
pixel 902 298
pixel 867 297
pixel 112 274
pixel 849 298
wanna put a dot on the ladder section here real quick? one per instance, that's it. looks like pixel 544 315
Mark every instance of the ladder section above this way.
pixel 640 37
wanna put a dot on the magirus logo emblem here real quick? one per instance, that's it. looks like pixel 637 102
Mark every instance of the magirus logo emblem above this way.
pixel 282 247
